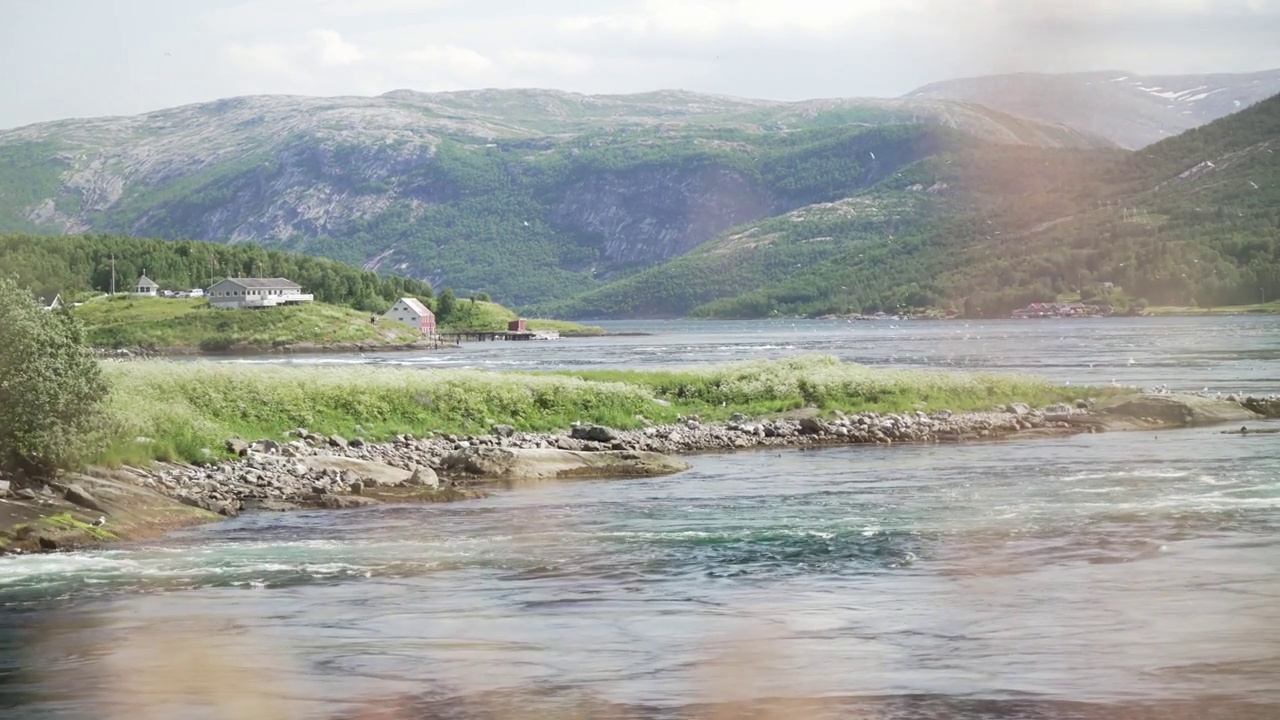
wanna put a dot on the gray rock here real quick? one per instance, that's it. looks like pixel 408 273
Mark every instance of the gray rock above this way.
pixel 77 495
pixel 258 505
pixel 356 487
pixel 1176 409
pixel 423 477
pixel 503 431
pixel 343 502
pixel 4 488
pixel 338 441
pixel 1018 409
pixel 812 426
pixel 26 494
pixel 504 464
pixel 356 442
pixel 738 418
pixel 266 445
pixel 236 446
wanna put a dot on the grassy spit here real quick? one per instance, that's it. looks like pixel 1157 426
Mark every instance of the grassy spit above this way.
pixel 173 410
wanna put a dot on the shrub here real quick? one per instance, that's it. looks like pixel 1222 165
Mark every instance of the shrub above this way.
pixel 51 386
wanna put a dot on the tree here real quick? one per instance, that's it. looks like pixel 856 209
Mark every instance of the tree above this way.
pixel 445 304
pixel 51 386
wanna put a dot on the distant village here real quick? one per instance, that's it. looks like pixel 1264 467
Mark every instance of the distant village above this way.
pixel 1063 310
pixel 260 293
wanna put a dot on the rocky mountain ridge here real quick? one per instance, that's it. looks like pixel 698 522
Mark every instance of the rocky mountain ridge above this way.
pixel 1129 109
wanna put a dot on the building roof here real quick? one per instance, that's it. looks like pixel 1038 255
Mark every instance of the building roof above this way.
pixel 264 283
pixel 416 305
pixel 145 281
pixel 46 299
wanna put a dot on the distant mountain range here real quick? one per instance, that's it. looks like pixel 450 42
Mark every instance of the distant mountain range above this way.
pixel 549 198
pixel 1129 109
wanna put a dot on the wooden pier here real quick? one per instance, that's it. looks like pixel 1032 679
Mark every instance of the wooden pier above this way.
pixel 487 336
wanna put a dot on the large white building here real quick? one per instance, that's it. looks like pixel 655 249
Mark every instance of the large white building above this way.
pixel 256 293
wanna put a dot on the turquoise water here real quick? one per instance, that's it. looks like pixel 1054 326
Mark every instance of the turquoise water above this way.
pixel 1098 576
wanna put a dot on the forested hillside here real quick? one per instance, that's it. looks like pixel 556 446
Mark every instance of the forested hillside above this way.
pixel 984 229
pixel 525 195
pixel 75 264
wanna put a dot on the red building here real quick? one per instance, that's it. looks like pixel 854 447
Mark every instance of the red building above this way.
pixel 411 312
pixel 517 326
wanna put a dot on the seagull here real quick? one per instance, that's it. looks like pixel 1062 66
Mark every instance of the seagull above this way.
pixel 102 520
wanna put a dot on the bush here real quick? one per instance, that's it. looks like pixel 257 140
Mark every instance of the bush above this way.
pixel 51 387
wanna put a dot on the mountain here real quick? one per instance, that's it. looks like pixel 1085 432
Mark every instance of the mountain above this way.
pixel 528 195
pixel 1131 110
pixel 986 228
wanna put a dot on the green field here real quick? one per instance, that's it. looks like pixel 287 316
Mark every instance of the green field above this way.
pixel 184 408
pixel 484 315
pixel 164 324
pixel 1271 308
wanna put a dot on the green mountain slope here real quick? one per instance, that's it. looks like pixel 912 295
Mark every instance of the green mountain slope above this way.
pixel 985 228
pixel 528 195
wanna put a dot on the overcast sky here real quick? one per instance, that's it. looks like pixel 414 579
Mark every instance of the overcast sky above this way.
pixel 78 58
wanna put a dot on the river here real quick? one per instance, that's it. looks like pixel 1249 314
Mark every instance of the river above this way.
pixel 1098 576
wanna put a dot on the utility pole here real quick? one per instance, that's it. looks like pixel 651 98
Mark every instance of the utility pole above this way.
pixel 113 273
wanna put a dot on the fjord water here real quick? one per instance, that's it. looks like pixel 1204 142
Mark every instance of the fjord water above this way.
pixel 1098 576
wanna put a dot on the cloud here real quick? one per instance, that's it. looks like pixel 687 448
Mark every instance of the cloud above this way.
pixel 451 60
pixel 331 50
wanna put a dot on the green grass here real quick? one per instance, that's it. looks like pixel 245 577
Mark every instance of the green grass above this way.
pixel 64 521
pixel 1271 308
pixel 482 315
pixel 186 408
pixel 159 323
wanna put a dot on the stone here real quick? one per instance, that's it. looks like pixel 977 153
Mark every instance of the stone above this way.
pixel 338 441
pixel 812 426
pixel 423 477
pixel 370 473
pixel 266 445
pixel 567 443
pixel 26 494
pixel 1082 404
pixel 356 442
pixel 1019 409
pixel 1176 409
pixel 343 502
pixel 738 418
pixel 77 495
pixel 508 464
pixel 238 447
pixel 356 487
pixel 258 505
pixel 47 543
pixel 503 431
pixel 4 488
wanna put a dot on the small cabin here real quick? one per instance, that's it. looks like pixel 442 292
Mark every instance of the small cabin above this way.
pixel 517 326
pixel 411 312
pixel 48 301
pixel 145 286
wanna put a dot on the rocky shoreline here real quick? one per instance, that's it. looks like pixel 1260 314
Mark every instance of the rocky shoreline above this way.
pixel 311 470
pixel 143 353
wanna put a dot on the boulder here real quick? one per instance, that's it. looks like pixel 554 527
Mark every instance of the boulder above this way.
pixel 503 431
pixel 4 488
pixel 594 433
pixel 338 441
pixel 342 502
pixel 266 445
pixel 1018 409
pixel 544 463
pixel 238 447
pixel 812 426
pixel 1267 407
pixel 262 505
pixel 76 495
pixel 1176 409
pixel 25 494
pixel 369 473
pixel 423 477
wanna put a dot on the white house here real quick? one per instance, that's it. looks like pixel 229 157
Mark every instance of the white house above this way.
pixel 256 293
pixel 145 286
pixel 411 312
pixel 50 301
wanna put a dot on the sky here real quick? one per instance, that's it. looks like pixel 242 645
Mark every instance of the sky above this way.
pixel 84 58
